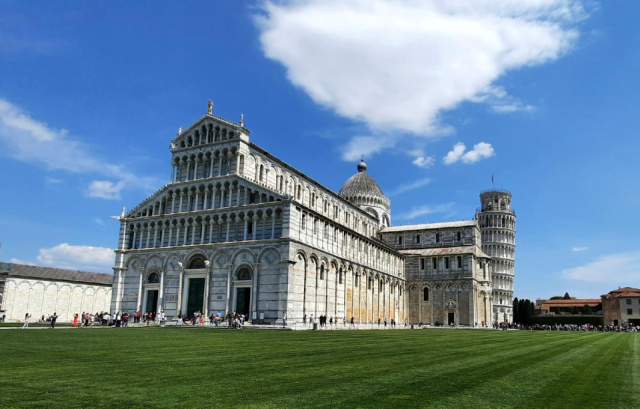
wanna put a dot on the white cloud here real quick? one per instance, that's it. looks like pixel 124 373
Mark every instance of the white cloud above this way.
pixel 454 155
pixel 501 102
pixel 364 145
pixel 99 221
pixel 78 257
pixel 424 161
pixel 580 248
pixel 410 186
pixel 105 189
pixel 32 141
pixel 424 210
pixel 480 151
pixel 622 268
pixel 396 65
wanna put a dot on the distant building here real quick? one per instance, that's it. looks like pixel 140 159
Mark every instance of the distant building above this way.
pixel 622 306
pixel 44 290
pixel 239 230
pixel 550 307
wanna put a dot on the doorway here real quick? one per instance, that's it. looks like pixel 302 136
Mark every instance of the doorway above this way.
pixel 195 299
pixel 152 301
pixel 243 300
pixel 451 318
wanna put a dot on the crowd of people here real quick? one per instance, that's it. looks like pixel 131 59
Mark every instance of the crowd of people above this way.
pixel 236 321
pixel 575 327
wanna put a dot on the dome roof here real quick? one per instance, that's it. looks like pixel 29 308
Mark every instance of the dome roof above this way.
pixel 360 184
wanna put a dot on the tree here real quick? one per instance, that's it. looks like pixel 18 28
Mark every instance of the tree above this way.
pixel 587 310
pixel 527 312
pixel 521 315
pixel 516 316
pixel 566 296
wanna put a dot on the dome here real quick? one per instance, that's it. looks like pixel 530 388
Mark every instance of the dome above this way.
pixel 360 184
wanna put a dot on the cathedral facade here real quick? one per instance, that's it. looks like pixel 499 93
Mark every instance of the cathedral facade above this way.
pixel 238 230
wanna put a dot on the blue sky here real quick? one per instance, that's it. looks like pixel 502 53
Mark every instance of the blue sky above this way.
pixel 542 94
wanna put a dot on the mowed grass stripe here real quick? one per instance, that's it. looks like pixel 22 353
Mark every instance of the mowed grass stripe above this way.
pixel 219 368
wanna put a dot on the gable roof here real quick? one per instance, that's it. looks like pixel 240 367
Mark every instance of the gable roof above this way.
pixel 55 274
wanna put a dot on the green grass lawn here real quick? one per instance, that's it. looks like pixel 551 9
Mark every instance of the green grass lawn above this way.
pixel 180 367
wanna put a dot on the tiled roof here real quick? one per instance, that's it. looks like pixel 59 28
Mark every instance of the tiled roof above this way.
pixel 623 292
pixel 430 226
pixel 445 251
pixel 593 302
pixel 55 274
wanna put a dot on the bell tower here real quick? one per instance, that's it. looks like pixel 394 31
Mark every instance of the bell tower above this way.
pixel 498 230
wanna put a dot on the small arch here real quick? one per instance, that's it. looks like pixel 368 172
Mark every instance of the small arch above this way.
pixel 197 262
pixel 244 274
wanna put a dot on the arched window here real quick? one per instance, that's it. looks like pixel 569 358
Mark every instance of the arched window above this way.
pixel 322 272
pixel 153 278
pixel 244 274
pixel 196 262
pixel 426 294
pixel 340 277
pixel 261 173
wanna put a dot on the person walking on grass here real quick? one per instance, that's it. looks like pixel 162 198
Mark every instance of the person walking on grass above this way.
pixel 54 318
pixel 27 317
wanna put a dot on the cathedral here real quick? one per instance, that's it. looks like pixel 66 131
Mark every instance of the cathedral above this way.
pixel 239 230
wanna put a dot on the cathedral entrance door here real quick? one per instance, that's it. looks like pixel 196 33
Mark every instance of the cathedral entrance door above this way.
pixel 243 301
pixel 195 300
pixel 152 301
pixel 452 318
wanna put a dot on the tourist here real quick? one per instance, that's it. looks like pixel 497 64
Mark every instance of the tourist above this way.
pixel 304 320
pixel 163 319
pixel 26 320
pixel 180 319
pixel 284 320
pixel 54 318
pixel 149 318
pixel 352 322
pixel 75 320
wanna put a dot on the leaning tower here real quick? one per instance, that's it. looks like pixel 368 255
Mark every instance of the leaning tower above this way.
pixel 498 229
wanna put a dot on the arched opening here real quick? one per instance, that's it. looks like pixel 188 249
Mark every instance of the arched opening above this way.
pixel 196 262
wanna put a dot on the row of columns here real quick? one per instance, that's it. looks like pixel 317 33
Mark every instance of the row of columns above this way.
pixel 227 195
pixel 211 166
pixel 185 234
pixel 370 303
pixel 498 221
